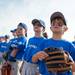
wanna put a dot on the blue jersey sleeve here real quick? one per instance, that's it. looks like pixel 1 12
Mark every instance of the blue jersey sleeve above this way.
pixel 21 43
pixel 12 44
pixel 4 47
pixel 72 51
pixel 43 45
pixel 29 52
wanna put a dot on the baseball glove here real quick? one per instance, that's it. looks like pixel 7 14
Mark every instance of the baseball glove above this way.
pixel 6 69
pixel 58 60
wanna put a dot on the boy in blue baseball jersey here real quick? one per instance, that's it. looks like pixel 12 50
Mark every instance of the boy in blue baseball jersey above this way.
pixel 19 45
pixel 11 45
pixel 58 27
pixel 3 47
pixel 39 27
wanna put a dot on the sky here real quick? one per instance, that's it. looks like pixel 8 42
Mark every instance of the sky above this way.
pixel 12 12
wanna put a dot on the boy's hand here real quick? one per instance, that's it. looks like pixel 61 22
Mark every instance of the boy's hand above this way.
pixel 42 55
pixel 39 56
pixel 14 52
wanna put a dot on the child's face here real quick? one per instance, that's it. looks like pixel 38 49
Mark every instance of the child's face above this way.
pixel 57 26
pixel 38 28
pixel 20 31
pixel 2 39
pixel 14 33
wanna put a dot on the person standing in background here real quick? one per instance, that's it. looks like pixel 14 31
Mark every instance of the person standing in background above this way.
pixel 30 68
pixel 18 46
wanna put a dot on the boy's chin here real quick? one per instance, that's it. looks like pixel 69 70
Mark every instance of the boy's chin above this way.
pixel 56 31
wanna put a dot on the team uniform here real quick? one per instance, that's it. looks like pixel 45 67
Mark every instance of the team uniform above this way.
pixel 20 44
pixel 30 68
pixel 3 49
pixel 12 61
pixel 65 45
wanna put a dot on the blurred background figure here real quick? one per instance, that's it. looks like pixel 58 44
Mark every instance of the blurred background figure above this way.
pixel 14 33
pixel 1 38
pixel 3 50
pixel 17 46
pixel 6 38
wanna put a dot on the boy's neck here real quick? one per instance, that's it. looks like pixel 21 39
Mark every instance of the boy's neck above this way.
pixel 21 36
pixel 57 36
pixel 38 35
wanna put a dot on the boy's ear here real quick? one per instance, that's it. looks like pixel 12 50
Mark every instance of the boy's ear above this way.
pixel 66 28
pixel 26 30
pixel 50 28
pixel 43 29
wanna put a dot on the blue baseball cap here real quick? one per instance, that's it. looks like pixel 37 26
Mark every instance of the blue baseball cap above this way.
pixel 13 30
pixel 58 15
pixel 22 25
pixel 41 22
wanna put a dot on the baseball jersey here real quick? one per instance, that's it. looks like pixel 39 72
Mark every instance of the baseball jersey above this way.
pixel 3 47
pixel 20 44
pixel 65 45
pixel 32 47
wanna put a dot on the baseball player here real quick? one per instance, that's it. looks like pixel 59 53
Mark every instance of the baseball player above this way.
pixel 58 28
pixel 18 46
pixel 3 49
pixel 39 27
pixel 12 42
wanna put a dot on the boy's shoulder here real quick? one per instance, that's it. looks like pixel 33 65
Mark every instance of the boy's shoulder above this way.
pixel 13 39
pixel 32 38
pixel 67 42
pixel 21 39
pixel 60 41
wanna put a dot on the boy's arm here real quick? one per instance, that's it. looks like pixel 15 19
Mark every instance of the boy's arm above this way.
pixel 12 55
pixel 35 58
pixel 18 47
pixel 73 68
pixel 72 53
pixel 14 52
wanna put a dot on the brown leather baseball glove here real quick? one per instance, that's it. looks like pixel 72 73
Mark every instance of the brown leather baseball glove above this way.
pixel 58 60
pixel 6 69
